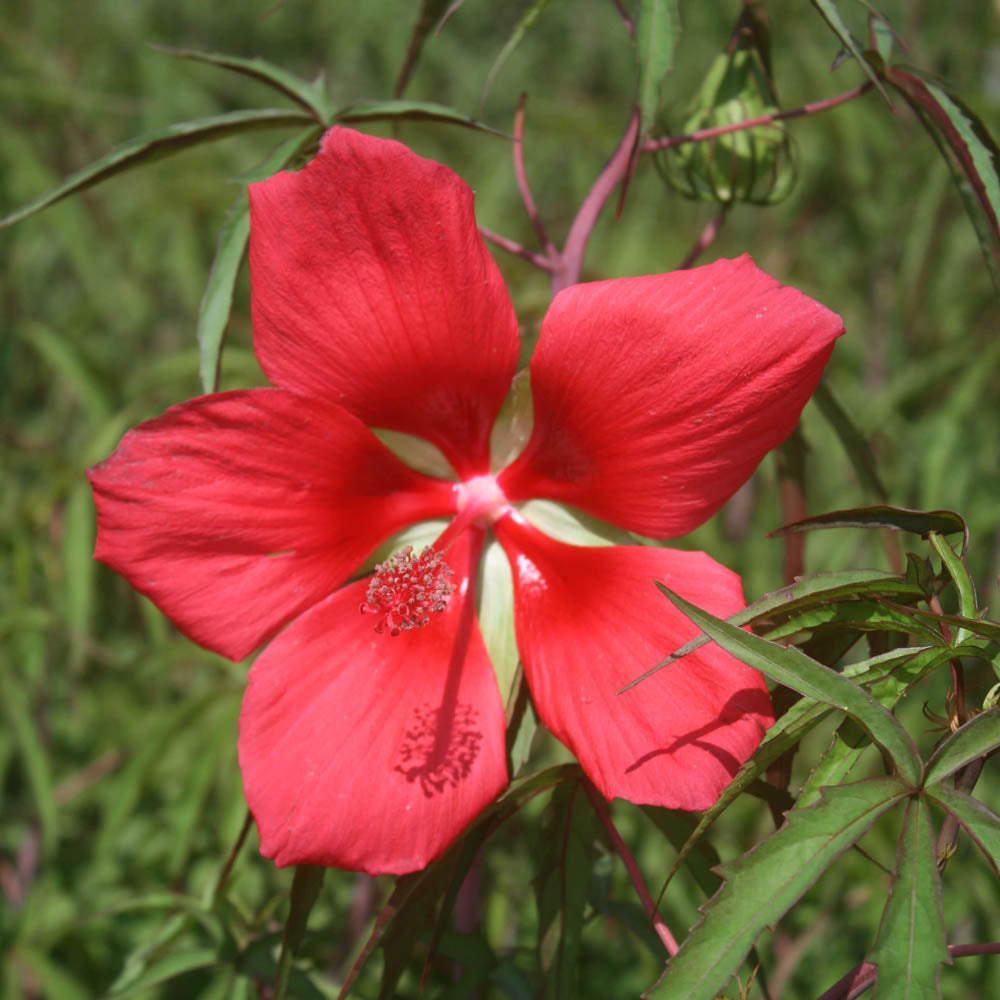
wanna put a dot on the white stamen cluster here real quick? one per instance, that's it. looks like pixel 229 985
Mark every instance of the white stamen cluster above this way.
pixel 406 589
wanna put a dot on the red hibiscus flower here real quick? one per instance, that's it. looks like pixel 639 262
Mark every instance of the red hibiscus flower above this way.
pixel 243 515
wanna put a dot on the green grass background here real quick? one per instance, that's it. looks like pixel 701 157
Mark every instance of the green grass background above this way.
pixel 120 795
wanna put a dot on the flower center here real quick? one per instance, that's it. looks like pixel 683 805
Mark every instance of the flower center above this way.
pixel 406 589
pixel 481 501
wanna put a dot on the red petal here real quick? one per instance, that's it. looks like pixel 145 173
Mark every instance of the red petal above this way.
pixel 655 398
pixel 372 752
pixel 589 621
pixel 236 512
pixel 372 287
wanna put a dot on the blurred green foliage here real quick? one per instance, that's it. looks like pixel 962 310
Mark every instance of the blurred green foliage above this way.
pixel 120 793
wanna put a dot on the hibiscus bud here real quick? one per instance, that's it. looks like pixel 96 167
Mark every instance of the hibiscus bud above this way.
pixel 752 165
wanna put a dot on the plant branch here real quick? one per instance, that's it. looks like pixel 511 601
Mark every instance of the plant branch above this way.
pixel 706 239
pixel 522 181
pixel 601 808
pixel 568 270
pixel 539 260
pixel 862 978
pixel 668 142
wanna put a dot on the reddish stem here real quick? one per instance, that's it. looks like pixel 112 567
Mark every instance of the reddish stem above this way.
pixel 517 250
pixel 862 978
pixel 567 271
pixel 522 182
pixel 600 807
pixel 668 142
pixel 706 239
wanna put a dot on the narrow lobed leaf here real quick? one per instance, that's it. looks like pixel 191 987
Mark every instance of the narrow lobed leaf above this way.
pixel 977 738
pixel 378 111
pixel 969 149
pixel 829 12
pixel 920 522
pixel 565 858
pixel 156 145
pixel 658 29
pixel 807 591
pixel 911 943
pixel 982 824
pixel 309 95
pixel 791 667
pixel 764 884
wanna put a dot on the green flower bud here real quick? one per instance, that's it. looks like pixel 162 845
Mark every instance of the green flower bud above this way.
pixel 752 165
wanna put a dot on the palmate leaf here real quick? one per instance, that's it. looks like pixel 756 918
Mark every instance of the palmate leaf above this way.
pixel 911 942
pixel 657 31
pixel 791 667
pixel 156 145
pixel 896 671
pixel 764 884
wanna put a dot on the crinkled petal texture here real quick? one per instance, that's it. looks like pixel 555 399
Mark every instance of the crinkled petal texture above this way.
pixel 589 620
pixel 655 398
pixel 372 752
pixel 372 287
pixel 236 512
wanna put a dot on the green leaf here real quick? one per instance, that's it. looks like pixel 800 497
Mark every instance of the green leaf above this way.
pixel 700 858
pixel 217 302
pixel 77 551
pixel 807 591
pixel 420 901
pixel 978 819
pixel 423 111
pixel 764 884
pixel 978 737
pixel 960 576
pixel 566 855
pixel 830 14
pixel 911 942
pixel 969 149
pixel 306 885
pixel 53 981
pixel 156 145
pixel 859 615
pixel 657 31
pixel 22 725
pixel 920 522
pixel 310 96
pixel 791 667
pixel 522 27
pixel 433 13
pixel 800 719
pixel 858 451
pixel 167 968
